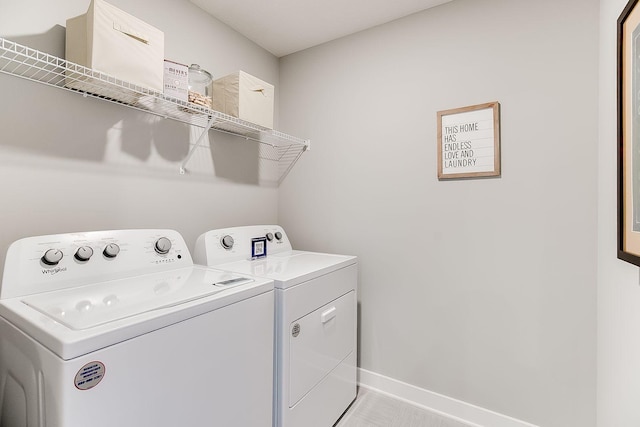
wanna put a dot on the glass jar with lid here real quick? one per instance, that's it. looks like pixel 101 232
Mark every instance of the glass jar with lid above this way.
pixel 200 86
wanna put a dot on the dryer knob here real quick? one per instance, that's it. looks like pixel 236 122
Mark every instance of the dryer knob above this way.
pixel 163 245
pixel 269 236
pixel 52 257
pixel 84 253
pixel 278 235
pixel 111 250
pixel 227 242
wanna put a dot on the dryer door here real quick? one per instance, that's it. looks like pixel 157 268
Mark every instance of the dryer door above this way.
pixel 319 341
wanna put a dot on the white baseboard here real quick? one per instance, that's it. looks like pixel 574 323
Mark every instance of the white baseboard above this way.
pixel 456 409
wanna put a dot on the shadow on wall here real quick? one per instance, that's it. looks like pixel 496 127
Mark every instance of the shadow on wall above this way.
pixel 235 160
pixel 46 121
pixel 51 42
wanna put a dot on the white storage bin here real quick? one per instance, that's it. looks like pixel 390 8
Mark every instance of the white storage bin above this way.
pixel 246 97
pixel 114 42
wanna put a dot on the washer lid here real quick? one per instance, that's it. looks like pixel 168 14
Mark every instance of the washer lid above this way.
pixel 292 267
pixel 94 305
pixel 77 321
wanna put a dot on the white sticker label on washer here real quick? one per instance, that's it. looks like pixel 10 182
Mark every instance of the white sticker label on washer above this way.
pixel 89 375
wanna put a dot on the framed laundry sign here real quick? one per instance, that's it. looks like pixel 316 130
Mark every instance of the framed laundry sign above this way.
pixel 629 133
pixel 469 141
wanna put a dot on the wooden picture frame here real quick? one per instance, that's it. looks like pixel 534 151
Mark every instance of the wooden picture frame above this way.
pixel 469 142
pixel 628 89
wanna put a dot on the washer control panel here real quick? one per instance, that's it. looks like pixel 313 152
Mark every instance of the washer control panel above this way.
pixel 45 263
pixel 233 244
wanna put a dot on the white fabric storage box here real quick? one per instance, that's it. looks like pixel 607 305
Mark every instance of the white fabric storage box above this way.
pixel 246 97
pixel 111 41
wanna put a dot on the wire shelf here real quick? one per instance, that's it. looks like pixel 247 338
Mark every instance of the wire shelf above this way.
pixel 30 64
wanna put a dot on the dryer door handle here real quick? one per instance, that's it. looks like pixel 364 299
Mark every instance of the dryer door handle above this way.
pixel 328 314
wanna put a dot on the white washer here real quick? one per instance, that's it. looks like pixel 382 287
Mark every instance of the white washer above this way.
pixel 316 320
pixel 119 328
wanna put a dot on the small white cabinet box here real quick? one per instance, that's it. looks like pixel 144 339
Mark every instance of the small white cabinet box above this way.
pixel 246 97
pixel 111 41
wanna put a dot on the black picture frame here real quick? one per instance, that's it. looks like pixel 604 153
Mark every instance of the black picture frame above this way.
pixel 628 133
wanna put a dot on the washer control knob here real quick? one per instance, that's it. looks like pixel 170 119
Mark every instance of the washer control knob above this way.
pixel 163 245
pixel 83 253
pixel 227 242
pixel 278 235
pixel 269 236
pixel 52 256
pixel 111 250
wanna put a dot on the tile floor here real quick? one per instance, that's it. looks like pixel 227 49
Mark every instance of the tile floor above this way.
pixel 372 409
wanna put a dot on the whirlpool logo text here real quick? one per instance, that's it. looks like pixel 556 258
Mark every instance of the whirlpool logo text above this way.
pixel 52 271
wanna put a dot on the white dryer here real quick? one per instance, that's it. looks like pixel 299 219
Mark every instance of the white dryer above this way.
pixel 119 328
pixel 316 318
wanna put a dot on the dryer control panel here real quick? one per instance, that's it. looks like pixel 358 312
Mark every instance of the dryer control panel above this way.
pixel 45 263
pixel 240 243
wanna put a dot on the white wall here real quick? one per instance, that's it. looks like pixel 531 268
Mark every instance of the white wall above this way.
pixel 482 290
pixel 70 164
pixel 618 283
